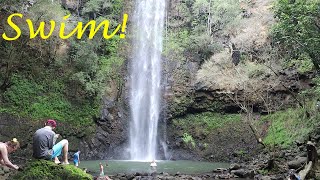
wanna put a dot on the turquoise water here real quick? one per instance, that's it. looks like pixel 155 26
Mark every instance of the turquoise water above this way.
pixel 171 167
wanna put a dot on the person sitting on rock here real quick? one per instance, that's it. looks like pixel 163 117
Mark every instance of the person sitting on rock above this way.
pixel 7 148
pixel 44 146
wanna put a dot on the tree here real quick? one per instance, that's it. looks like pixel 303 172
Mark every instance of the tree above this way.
pixel 298 28
pixel 24 55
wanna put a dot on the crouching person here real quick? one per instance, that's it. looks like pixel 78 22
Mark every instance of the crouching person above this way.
pixel 7 148
pixel 44 146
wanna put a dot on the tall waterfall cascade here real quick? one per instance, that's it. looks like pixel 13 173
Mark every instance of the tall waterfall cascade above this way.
pixel 145 78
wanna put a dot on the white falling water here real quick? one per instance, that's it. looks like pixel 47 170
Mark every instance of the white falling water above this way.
pixel 145 78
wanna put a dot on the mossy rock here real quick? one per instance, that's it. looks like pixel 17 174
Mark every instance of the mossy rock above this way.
pixel 47 170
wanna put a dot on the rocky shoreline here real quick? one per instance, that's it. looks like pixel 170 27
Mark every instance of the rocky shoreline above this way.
pixel 219 174
pixel 268 165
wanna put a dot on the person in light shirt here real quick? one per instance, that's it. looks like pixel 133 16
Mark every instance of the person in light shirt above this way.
pixel 7 148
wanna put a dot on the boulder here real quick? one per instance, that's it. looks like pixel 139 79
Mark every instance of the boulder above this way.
pixel 297 162
pixel 130 176
pixel 235 166
pixel 240 172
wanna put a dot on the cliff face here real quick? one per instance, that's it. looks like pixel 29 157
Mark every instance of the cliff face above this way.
pixel 239 74
pixel 241 71
pixel 110 138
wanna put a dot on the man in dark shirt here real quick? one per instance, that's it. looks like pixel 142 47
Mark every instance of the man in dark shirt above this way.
pixel 44 146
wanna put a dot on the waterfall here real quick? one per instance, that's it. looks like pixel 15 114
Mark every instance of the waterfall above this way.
pixel 145 78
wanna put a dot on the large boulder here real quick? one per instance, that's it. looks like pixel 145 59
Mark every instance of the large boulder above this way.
pixel 45 170
pixel 235 166
pixel 243 173
pixel 297 163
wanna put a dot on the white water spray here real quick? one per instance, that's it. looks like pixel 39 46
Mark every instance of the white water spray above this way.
pixel 146 78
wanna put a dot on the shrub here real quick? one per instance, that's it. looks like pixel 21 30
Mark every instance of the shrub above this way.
pixel 187 138
pixel 28 98
pixel 205 122
pixel 288 126
pixel 303 63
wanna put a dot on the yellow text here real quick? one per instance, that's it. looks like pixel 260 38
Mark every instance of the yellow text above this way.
pixel 79 29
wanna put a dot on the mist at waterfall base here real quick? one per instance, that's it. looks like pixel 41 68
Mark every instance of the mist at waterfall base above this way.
pixel 145 79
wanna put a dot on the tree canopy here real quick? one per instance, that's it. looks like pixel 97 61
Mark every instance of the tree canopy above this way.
pixel 298 28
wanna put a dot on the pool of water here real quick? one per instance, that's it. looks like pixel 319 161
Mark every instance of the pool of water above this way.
pixel 171 167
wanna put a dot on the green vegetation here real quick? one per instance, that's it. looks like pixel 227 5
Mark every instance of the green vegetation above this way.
pixel 204 123
pixel 187 138
pixel 176 43
pixel 303 64
pixel 180 104
pixel 45 170
pixel 289 125
pixel 38 100
pixel 315 91
pixel 263 172
pixel 297 30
